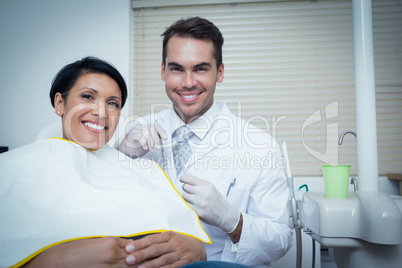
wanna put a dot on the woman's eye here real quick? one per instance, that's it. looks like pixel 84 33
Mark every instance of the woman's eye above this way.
pixel 87 96
pixel 114 104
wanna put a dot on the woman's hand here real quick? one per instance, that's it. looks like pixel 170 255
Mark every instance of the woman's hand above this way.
pixel 168 249
pixel 95 252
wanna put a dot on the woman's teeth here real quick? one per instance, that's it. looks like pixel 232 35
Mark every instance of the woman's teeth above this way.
pixel 94 126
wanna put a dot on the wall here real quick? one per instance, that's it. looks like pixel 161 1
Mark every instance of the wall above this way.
pixel 37 39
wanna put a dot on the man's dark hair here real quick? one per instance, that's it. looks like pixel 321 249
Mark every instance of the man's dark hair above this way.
pixel 198 28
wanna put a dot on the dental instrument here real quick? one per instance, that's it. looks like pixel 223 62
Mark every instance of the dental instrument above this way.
pixel 232 184
pixel 294 209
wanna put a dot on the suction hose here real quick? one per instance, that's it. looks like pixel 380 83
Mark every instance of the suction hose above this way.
pixel 293 207
pixel 295 217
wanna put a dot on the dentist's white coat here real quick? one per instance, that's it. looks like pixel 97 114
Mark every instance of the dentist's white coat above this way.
pixel 231 149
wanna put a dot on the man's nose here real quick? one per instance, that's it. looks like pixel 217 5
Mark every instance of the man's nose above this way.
pixel 189 80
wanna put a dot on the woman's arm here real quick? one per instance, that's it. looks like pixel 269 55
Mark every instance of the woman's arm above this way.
pixel 166 249
pixel 95 252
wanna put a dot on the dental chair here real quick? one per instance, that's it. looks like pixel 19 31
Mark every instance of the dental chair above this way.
pixel 53 130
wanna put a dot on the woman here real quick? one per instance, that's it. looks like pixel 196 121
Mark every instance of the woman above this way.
pixel 67 202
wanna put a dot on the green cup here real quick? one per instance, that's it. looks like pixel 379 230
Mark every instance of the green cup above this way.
pixel 336 181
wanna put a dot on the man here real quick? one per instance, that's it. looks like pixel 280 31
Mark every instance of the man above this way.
pixel 226 169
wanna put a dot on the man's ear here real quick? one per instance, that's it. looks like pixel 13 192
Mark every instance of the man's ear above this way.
pixel 221 73
pixel 163 71
pixel 59 104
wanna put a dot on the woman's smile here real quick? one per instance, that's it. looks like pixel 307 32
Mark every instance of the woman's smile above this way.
pixel 94 126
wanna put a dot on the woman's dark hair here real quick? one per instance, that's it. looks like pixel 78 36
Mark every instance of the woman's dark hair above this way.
pixel 69 74
pixel 198 28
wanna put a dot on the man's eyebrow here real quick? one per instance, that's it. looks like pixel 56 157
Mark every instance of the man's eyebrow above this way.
pixel 175 64
pixel 202 64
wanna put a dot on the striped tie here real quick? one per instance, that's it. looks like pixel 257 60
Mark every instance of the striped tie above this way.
pixel 181 148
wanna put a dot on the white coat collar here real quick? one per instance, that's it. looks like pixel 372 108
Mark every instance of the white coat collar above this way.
pixel 200 126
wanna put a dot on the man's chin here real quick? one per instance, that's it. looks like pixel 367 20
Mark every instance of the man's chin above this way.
pixel 187 115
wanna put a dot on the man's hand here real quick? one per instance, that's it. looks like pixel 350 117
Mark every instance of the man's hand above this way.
pixel 168 249
pixel 142 139
pixel 209 204
pixel 103 252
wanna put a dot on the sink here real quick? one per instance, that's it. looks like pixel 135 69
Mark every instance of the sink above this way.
pixel 363 230
pixel 370 216
pixel 330 221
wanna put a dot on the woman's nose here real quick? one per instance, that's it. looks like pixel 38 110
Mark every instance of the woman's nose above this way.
pixel 100 109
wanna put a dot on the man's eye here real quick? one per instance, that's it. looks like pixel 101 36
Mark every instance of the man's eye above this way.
pixel 175 69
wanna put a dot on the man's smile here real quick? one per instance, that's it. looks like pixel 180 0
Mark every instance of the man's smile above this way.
pixel 190 97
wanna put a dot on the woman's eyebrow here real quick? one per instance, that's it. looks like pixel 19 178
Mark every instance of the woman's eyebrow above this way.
pixel 115 97
pixel 94 90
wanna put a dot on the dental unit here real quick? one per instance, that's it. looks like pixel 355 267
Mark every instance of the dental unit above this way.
pixel 364 229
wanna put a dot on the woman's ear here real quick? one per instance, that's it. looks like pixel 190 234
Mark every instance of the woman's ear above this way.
pixel 59 104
